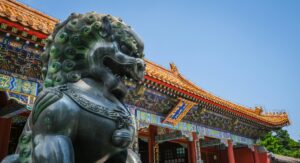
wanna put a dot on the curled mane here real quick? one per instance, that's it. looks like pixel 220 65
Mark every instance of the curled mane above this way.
pixel 65 58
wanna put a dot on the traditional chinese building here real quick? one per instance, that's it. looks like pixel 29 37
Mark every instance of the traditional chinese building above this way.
pixel 177 121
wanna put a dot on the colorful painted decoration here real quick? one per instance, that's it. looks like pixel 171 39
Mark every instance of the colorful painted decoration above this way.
pixel 21 98
pixel 14 30
pixel 179 111
pixel 19 58
pixel 24 34
pixel 198 151
pixel 33 38
pixel 213 133
pixel 241 140
pixel 156 153
pixel 201 131
pixel 3 26
pixel 18 86
pixel 209 143
pixel 149 118
pixel 169 136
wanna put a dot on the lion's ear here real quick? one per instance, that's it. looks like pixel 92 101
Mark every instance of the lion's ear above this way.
pixel 106 25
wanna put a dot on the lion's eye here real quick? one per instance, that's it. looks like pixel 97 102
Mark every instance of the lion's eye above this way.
pixel 125 50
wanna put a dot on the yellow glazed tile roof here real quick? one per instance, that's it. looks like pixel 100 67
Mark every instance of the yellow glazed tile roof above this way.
pixel 29 17
pixel 174 78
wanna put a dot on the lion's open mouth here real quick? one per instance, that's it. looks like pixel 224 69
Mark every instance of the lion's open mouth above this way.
pixel 132 68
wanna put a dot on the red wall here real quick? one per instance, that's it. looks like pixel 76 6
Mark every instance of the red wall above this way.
pixel 263 158
pixel 5 125
pixel 224 156
pixel 243 155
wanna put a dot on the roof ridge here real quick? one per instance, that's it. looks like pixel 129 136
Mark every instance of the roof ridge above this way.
pixel 157 65
pixel 27 17
pixel 199 88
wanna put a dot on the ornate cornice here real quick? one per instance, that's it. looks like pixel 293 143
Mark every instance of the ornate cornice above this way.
pixel 173 78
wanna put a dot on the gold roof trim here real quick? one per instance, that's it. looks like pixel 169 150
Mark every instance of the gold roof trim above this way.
pixel 174 78
pixel 27 16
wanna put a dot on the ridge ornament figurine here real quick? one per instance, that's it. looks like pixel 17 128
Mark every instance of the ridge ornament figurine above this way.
pixel 79 116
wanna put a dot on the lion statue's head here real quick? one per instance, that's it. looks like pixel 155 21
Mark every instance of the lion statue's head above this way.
pixel 95 46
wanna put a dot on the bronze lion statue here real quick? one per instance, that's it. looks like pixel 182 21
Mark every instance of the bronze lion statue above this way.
pixel 79 116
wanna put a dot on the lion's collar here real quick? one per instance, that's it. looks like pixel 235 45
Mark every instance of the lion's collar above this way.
pixel 121 117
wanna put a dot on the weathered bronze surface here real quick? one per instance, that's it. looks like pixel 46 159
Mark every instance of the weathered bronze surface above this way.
pixel 80 116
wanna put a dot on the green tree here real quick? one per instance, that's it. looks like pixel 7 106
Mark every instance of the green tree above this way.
pixel 279 142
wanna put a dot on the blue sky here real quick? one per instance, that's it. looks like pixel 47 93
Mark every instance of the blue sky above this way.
pixel 247 52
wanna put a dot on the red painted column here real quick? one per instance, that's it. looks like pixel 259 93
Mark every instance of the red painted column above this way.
pixel 230 152
pixel 256 155
pixel 151 142
pixel 5 126
pixel 268 158
pixel 193 150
